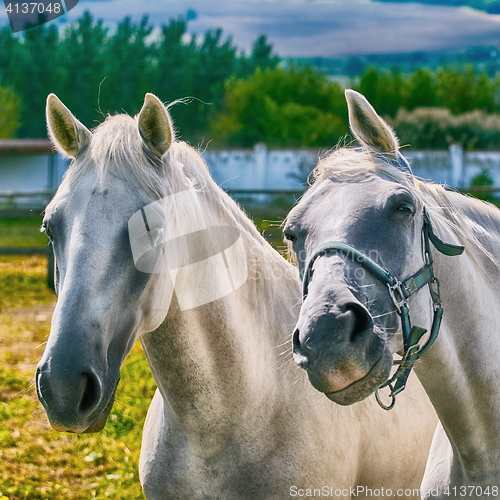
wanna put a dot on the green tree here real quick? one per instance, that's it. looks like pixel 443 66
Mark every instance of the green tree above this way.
pixel 127 68
pixel 11 53
pixel 282 107
pixel 457 89
pixel 39 72
pixel 175 62
pixel 369 85
pixel 95 71
pixel 385 90
pixel 390 92
pixel 83 57
pixel 261 57
pixel 10 112
pixel 485 93
pixel 420 89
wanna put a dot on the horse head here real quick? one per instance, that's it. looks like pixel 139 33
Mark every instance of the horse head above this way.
pixel 363 213
pixel 88 222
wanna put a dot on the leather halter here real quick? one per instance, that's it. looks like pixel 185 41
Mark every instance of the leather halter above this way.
pixel 400 292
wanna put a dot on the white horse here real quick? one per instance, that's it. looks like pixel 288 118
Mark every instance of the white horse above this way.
pixel 146 244
pixel 366 267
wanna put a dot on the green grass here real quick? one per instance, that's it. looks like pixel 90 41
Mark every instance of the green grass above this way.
pixel 271 229
pixel 23 282
pixel 22 233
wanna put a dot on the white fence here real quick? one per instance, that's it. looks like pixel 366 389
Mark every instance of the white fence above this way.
pixel 287 169
pixel 257 169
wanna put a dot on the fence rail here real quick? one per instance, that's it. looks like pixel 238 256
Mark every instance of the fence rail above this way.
pixel 35 251
pixel 20 204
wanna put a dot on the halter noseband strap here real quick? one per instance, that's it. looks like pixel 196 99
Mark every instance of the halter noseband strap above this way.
pixel 399 292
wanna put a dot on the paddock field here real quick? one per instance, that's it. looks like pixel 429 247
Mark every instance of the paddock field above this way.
pixel 35 461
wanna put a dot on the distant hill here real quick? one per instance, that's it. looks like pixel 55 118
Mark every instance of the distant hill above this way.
pixel 490 6
pixel 319 28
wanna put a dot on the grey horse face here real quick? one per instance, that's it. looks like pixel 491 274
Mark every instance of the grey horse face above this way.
pixel 104 301
pixel 347 328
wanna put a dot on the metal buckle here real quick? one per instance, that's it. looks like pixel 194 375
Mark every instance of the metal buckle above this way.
pixel 397 295
pixel 428 259
pixel 406 362
pixel 435 292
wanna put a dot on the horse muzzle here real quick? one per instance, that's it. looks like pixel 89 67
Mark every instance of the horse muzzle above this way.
pixel 74 400
pixel 342 354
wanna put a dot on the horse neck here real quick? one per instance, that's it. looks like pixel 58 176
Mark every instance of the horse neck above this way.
pixel 216 363
pixel 461 371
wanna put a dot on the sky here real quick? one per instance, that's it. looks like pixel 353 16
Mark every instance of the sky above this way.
pixel 315 29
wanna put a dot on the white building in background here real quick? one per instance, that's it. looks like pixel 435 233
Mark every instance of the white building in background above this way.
pixel 32 166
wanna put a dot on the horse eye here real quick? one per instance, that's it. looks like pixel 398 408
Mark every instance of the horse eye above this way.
pixel 405 209
pixel 401 203
pixel 289 236
pixel 45 229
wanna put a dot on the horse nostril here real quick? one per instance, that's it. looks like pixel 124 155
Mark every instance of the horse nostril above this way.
pixel 360 320
pixel 302 353
pixel 299 355
pixel 91 393
pixel 296 340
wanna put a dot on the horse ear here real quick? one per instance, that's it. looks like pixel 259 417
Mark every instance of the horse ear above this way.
pixel 155 126
pixel 67 133
pixel 367 125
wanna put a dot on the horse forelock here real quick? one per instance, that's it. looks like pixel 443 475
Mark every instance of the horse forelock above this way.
pixel 117 150
pixel 358 164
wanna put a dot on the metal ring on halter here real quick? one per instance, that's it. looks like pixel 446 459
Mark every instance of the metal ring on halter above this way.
pixel 397 295
pixel 385 407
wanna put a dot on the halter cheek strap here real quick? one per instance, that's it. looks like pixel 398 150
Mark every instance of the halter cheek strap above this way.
pixel 400 292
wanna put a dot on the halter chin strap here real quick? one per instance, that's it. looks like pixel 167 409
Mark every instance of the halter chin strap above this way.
pixel 400 292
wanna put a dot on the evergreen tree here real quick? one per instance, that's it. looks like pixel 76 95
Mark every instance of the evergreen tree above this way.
pixel 83 60
pixel 127 68
pixel 261 57
pixel 39 72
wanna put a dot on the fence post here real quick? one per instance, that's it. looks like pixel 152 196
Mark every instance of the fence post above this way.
pixel 457 165
pixel 261 171
pixel 50 268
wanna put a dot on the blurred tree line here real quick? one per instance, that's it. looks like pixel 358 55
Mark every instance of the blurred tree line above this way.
pixel 435 109
pixel 232 98
pixel 299 106
pixel 95 71
pixel 296 106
